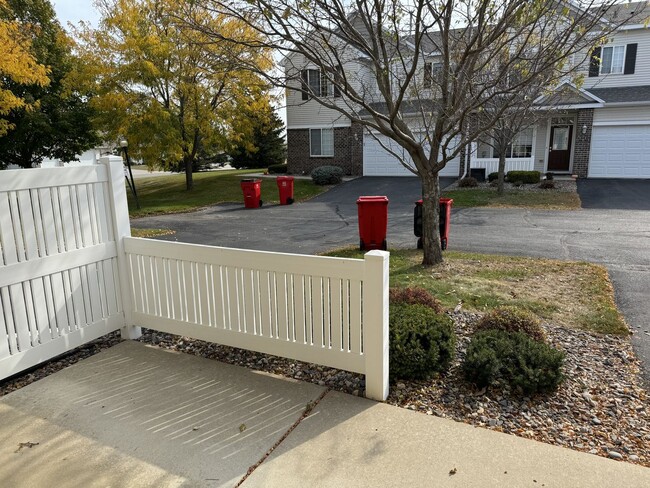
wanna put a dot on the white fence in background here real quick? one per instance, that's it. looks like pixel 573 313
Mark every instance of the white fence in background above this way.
pixel 330 311
pixel 59 265
pixel 491 165
pixel 70 272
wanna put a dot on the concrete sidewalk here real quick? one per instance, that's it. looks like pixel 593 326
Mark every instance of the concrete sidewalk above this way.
pixel 137 416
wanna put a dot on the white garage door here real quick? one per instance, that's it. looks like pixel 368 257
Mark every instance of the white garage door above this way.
pixel 620 152
pixel 377 161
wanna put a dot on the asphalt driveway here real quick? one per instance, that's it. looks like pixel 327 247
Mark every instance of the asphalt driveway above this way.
pixel 617 238
pixel 615 194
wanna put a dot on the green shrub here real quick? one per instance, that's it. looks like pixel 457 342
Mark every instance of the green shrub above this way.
pixel 415 296
pixel 421 342
pixel 547 185
pixel 276 169
pixel 467 182
pixel 512 319
pixel 493 176
pixel 526 177
pixel 515 359
pixel 327 175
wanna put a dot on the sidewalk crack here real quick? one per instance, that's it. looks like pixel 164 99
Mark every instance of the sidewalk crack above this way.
pixel 308 409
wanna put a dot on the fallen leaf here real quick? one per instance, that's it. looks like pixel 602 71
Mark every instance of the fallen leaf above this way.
pixel 453 472
pixel 26 444
pixel 242 427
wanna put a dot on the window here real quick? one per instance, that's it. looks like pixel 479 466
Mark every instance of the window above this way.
pixel 521 147
pixel 431 72
pixel 321 142
pixel 316 81
pixel 612 60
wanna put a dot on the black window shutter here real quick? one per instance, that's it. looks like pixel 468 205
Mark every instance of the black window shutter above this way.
pixel 594 65
pixel 304 85
pixel 630 59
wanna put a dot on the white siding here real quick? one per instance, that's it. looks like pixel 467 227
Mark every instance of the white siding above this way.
pixel 621 115
pixel 641 74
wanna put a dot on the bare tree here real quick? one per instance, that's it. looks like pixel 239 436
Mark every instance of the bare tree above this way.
pixel 418 71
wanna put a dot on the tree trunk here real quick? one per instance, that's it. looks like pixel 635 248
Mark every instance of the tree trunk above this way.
pixel 431 220
pixel 502 172
pixel 189 182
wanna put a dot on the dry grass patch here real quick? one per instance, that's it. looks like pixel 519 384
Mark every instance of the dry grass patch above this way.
pixel 571 294
pixel 149 233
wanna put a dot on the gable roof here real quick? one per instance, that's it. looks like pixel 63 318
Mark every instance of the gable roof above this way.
pixel 623 94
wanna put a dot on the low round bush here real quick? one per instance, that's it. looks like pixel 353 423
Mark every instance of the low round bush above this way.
pixel 493 176
pixel 276 169
pixel 415 296
pixel 327 175
pixel 528 366
pixel 510 319
pixel 526 177
pixel 467 182
pixel 421 342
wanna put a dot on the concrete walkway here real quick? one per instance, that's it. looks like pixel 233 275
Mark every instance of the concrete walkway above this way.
pixel 137 416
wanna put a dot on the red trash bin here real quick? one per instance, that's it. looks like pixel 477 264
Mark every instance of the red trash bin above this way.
pixel 252 189
pixel 285 187
pixel 373 222
pixel 445 218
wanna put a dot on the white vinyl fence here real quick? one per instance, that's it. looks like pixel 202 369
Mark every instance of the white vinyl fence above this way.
pixel 491 165
pixel 59 265
pixel 70 272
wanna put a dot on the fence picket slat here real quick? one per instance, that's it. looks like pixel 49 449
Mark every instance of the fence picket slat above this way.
pixel 59 294
pixel 355 316
pixel 52 332
pixel 218 295
pixel 94 293
pixel 21 320
pixel 65 212
pixel 345 310
pixel 163 291
pixel 49 224
pixel 4 338
pixel 265 304
pixel 84 210
pixel 233 322
pixel 317 310
pixel 249 305
pixel 299 308
pixel 176 289
pixel 336 313
pixel 203 295
pixel 38 222
pixel 77 295
pixel 283 318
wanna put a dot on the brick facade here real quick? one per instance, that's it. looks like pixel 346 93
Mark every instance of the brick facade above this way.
pixel 583 142
pixel 348 151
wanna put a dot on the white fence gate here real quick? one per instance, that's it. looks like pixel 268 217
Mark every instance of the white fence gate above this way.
pixel 70 272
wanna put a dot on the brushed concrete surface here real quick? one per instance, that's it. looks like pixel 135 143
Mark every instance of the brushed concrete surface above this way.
pixel 352 442
pixel 136 416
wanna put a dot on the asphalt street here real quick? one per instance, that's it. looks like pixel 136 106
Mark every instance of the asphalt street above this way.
pixel 614 231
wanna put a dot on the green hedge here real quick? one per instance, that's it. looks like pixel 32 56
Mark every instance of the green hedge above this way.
pixel 276 169
pixel 422 342
pixel 515 359
pixel 526 177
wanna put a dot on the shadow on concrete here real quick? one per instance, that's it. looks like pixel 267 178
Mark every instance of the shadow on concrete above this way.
pixel 135 415
pixel 615 194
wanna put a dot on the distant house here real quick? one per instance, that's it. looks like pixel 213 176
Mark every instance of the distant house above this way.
pixel 602 130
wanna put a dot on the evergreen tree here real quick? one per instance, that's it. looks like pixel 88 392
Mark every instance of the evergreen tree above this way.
pixel 265 145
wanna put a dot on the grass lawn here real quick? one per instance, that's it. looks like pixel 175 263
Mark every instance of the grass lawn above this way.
pixel 488 197
pixel 167 194
pixel 572 294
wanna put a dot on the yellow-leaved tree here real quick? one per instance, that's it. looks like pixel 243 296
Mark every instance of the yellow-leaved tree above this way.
pixel 17 65
pixel 171 91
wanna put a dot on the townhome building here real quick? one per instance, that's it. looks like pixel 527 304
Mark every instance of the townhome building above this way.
pixel 598 127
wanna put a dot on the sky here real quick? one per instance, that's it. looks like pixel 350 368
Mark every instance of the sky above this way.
pixel 74 11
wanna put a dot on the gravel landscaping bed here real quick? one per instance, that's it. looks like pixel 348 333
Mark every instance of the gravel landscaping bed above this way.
pixel 561 186
pixel 601 408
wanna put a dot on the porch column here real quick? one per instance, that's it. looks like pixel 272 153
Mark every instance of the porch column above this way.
pixel 583 142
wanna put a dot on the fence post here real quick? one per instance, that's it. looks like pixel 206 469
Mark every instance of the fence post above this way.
pixel 121 228
pixel 375 324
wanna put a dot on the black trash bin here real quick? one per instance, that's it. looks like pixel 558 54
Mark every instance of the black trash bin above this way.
pixel 445 214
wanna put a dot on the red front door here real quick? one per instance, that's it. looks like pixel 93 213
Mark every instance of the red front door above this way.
pixel 559 153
